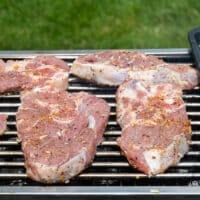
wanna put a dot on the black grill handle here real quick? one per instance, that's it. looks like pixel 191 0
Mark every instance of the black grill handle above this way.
pixel 194 39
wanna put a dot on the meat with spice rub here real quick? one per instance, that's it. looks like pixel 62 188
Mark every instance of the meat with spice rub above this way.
pixel 59 132
pixel 46 72
pixel 155 128
pixel 115 66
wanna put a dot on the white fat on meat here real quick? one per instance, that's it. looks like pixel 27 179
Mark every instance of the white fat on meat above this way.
pixel 160 159
pixel 53 174
pixel 16 65
pixel 62 121
pixel 92 122
pixel 130 93
pixel 100 73
pixel 41 103
pixel 58 80
pixel 169 101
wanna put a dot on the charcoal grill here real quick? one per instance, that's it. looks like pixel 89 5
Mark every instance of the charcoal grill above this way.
pixel 110 174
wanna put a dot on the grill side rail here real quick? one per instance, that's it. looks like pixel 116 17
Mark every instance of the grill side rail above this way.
pixel 164 193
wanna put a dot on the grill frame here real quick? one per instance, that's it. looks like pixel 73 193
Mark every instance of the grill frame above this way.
pixel 189 192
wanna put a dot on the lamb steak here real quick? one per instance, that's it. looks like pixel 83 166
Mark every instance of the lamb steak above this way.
pixel 46 72
pixel 155 127
pixel 114 66
pixel 59 132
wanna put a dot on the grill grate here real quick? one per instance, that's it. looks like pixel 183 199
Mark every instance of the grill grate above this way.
pixel 109 167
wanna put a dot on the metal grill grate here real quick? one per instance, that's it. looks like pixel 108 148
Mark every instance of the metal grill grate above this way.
pixel 109 167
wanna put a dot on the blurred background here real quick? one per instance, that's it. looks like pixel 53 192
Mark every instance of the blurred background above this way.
pixel 96 24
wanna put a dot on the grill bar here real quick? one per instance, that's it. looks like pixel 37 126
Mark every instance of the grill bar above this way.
pixel 102 164
pixel 177 53
pixel 113 175
pixel 109 168
pixel 99 153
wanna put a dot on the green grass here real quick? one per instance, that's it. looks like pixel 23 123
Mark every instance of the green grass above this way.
pixel 90 24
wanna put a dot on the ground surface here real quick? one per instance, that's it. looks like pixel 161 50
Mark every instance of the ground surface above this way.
pixel 93 24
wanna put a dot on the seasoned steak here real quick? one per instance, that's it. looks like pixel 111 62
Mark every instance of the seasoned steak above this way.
pixel 113 67
pixel 46 72
pixel 155 127
pixel 110 67
pixel 59 132
pixel 3 121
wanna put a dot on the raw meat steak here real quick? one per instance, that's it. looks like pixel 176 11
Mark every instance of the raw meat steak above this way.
pixel 155 127
pixel 46 72
pixel 113 67
pixel 59 132
pixel 110 67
